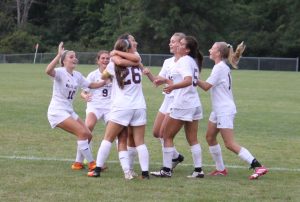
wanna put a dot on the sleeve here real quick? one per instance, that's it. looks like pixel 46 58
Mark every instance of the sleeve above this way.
pixel 214 77
pixel 89 78
pixel 163 71
pixel 83 82
pixel 111 68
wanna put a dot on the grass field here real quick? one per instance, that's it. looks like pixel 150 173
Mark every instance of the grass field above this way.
pixel 35 160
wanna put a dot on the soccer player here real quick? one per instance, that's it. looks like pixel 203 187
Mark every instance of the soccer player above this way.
pixel 98 101
pixel 164 110
pixel 128 109
pixel 66 82
pixel 186 108
pixel 223 109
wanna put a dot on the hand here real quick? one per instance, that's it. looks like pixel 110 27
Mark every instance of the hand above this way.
pixel 146 70
pixel 158 82
pixel 88 97
pixel 61 48
pixel 113 53
pixel 168 89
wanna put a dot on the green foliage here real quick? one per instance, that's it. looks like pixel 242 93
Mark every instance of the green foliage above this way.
pixel 269 28
pixel 18 41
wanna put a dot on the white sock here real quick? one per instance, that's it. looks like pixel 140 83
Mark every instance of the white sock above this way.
pixel 123 157
pixel 216 154
pixel 85 150
pixel 143 157
pixel 103 153
pixel 197 155
pixel 175 153
pixel 79 156
pixel 245 155
pixel 167 157
pixel 132 152
pixel 161 141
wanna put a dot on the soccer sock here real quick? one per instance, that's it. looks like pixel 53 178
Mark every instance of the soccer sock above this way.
pixel 143 157
pixel 216 154
pixel 131 155
pixel 197 155
pixel 103 153
pixel 79 156
pixel 167 157
pixel 175 154
pixel 85 150
pixel 123 157
pixel 245 155
pixel 255 164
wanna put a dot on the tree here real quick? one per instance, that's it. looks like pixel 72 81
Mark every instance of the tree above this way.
pixel 23 7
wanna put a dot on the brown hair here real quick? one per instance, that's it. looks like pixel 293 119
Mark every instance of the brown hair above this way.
pixel 193 45
pixel 227 52
pixel 121 45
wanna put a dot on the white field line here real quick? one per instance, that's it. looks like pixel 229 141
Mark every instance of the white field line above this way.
pixel 32 158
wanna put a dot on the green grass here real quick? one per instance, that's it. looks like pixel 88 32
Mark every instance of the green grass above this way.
pixel 267 124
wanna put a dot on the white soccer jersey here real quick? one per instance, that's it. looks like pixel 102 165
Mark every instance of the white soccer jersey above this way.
pixel 131 96
pixel 65 86
pixel 221 90
pixel 101 97
pixel 188 97
pixel 165 71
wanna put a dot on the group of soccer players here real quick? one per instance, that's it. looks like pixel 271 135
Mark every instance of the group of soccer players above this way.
pixel 113 93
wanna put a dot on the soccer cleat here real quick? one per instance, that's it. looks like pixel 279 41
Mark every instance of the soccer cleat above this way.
pixel 219 172
pixel 162 173
pixel 175 162
pixel 93 174
pixel 145 175
pixel 196 175
pixel 259 171
pixel 77 166
pixel 134 174
pixel 128 175
pixel 92 166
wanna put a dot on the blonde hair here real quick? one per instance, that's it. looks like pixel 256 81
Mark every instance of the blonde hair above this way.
pixel 227 52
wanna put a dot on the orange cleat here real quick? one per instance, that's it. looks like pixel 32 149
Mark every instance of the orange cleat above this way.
pixel 77 166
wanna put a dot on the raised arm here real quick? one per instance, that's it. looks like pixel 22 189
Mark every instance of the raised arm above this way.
pixel 123 62
pixel 126 55
pixel 50 68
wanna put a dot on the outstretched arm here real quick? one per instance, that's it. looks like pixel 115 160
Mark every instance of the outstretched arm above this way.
pixel 123 62
pixel 50 68
pixel 204 85
pixel 187 81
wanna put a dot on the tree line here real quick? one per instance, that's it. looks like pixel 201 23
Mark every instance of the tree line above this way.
pixel 269 28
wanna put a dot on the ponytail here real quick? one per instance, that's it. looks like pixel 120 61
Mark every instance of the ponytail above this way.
pixel 234 57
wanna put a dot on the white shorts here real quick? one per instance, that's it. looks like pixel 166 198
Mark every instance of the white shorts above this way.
pixel 100 113
pixel 224 121
pixel 130 117
pixel 191 114
pixel 166 105
pixel 56 116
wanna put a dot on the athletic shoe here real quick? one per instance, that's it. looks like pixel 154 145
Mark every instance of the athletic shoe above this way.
pixel 175 162
pixel 196 175
pixel 259 171
pixel 145 175
pixel 92 166
pixel 93 174
pixel 77 166
pixel 128 175
pixel 219 172
pixel 162 173
pixel 134 174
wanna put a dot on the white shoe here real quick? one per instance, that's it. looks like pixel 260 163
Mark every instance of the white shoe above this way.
pixel 134 174
pixel 161 173
pixel 196 175
pixel 128 175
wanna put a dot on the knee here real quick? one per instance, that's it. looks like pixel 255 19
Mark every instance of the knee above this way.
pixel 85 133
pixel 211 140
